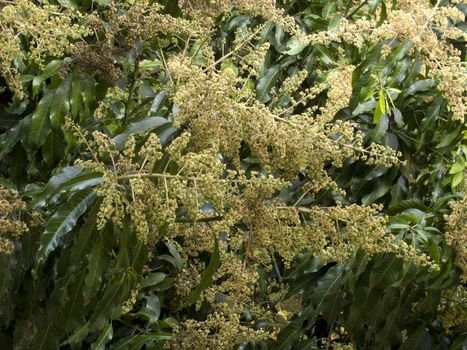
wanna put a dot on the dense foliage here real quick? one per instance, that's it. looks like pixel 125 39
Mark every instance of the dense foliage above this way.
pixel 233 174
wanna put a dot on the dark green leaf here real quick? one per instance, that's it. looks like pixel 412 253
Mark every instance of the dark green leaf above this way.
pixel 158 100
pixel 40 123
pixel 52 150
pixel 153 279
pixel 176 255
pixel 265 84
pixel 135 342
pixel 140 127
pixel 105 337
pixel 98 262
pixel 63 221
pixel 385 272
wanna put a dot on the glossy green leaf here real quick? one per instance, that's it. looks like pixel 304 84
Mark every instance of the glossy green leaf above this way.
pixel 136 341
pixel 140 127
pixel 11 137
pixel 265 84
pixel 98 262
pixel 60 104
pixel 72 312
pixel 40 123
pixel 63 221
pixel 289 335
pixel 328 294
pixel 380 108
pixel 158 100
pixel 295 46
pixel 52 150
pixel 176 255
pixel 449 138
pixel 78 336
pixel 105 337
pixel 432 114
pixel 76 98
pixel 421 85
pixel 386 271
pixel 114 294
pixel 153 279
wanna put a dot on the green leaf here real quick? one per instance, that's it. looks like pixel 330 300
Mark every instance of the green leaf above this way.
pixel 449 138
pixel 383 15
pixel 70 179
pixel 72 312
pixel 391 332
pixel 79 335
pixel 8 184
pixel 457 179
pixel 328 9
pixel 60 103
pixel 206 276
pixel 265 84
pixel 295 46
pixel 323 53
pixel 400 51
pixel 114 294
pixel 85 237
pixel 382 187
pixel 460 343
pixel 176 255
pixel 328 294
pixel 62 222
pixel 50 69
pixel 381 127
pixel 158 100
pixel 456 168
pixel 140 127
pixel 289 335
pixel 52 150
pixel 153 279
pixel 421 85
pixel 229 65
pixel 46 338
pixel 40 123
pixel 380 107
pixel 104 3
pixel 386 271
pixel 105 337
pixel 98 262
pixel 364 107
pixel 76 97
pixel 136 341
pixel 151 310
pixel 398 117
pixel 11 137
